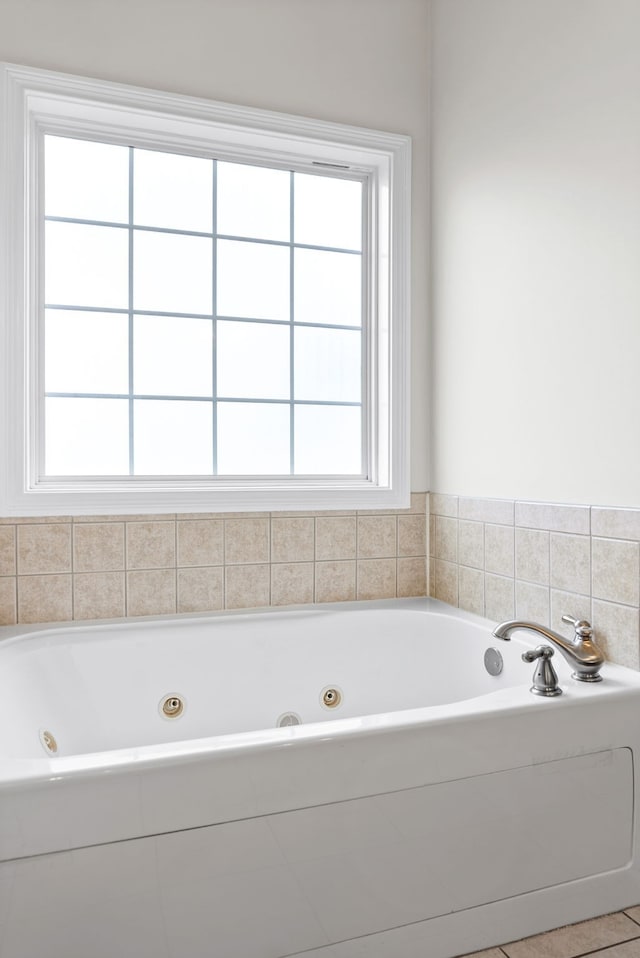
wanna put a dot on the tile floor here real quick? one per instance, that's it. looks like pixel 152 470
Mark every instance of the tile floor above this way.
pixel 612 936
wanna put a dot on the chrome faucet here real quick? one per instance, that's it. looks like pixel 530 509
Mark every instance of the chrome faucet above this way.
pixel 581 652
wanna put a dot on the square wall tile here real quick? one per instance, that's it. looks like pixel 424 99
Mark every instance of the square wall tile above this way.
pixel 98 595
pixel 616 570
pixel 498 511
pixel 246 541
pixel 7 550
pixel 554 518
pixel 292 583
pixel 533 602
pixel 200 542
pixel 247 586
pixel 335 537
pixel 617 632
pixel 335 581
pixel 432 535
pixel 412 535
pixel 446 582
pixel 45 598
pixel 499 549
pixel 570 563
pixel 151 545
pixel 532 555
pixel 568 603
pixel 440 505
pixel 44 548
pixel 471 590
pixel 615 523
pixel 499 598
pixel 412 577
pixel 201 590
pixel 376 579
pixel 98 547
pixel 292 540
pixel 151 592
pixel 446 539
pixel 8 603
pixel 377 536
pixel 471 543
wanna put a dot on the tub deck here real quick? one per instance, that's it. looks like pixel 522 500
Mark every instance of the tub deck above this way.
pixel 426 829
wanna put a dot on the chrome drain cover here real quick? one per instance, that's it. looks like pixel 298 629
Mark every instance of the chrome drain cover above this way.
pixel 493 661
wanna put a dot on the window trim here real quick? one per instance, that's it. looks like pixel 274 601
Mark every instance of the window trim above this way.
pixel 34 102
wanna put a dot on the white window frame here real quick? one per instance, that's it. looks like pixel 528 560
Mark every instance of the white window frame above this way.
pixel 35 102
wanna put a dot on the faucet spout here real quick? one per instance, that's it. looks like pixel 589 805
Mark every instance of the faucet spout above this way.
pixel 581 652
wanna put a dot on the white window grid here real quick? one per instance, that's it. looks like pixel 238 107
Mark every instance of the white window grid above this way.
pixel 36 102
pixel 215 317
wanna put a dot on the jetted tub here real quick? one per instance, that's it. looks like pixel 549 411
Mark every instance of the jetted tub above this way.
pixel 158 801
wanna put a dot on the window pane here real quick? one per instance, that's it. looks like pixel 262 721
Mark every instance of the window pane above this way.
pixel 172 191
pixel 327 211
pixel 328 364
pixel 86 265
pixel 172 438
pixel 253 280
pixel 85 180
pixel 253 360
pixel 253 439
pixel 328 440
pixel 328 287
pixel 172 356
pixel 86 352
pixel 172 273
pixel 253 201
pixel 87 437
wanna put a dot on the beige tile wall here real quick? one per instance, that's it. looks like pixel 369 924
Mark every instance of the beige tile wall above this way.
pixel 539 561
pixel 55 569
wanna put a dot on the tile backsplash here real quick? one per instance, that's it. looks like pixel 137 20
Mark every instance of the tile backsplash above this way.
pixel 539 561
pixel 496 557
pixel 57 569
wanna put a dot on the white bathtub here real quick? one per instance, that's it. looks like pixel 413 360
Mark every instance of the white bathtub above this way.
pixel 436 810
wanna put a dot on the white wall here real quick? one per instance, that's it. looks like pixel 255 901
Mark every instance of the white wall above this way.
pixel 536 243
pixel 362 62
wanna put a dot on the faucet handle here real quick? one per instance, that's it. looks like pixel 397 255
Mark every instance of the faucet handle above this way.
pixel 542 652
pixel 582 627
pixel 545 677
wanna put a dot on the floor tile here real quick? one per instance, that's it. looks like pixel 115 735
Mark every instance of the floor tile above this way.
pixel 630 949
pixel 492 953
pixel 576 940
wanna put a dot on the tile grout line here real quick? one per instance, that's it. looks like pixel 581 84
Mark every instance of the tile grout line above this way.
pixel 631 917
pixel 72 543
pixel 175 561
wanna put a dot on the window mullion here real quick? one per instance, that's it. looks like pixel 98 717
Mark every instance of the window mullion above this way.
pixel 131 423
pixel 292 322
pixel 214 320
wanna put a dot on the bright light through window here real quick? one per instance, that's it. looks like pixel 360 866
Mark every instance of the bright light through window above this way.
pixel 194 305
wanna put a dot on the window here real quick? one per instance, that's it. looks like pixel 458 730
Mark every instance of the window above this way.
pixel 206 306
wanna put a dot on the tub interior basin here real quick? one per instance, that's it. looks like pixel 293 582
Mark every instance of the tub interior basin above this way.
pixel 97 687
